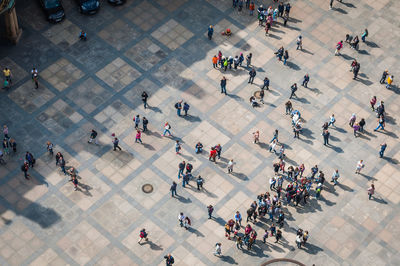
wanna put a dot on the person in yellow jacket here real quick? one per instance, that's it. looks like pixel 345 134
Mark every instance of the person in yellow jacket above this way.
pixel 389 81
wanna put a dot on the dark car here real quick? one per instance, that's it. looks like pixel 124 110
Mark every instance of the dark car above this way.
pixel 116 2
pixel 53 9
pixel 88 6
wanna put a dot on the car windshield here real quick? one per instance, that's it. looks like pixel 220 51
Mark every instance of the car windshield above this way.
pixel 51 3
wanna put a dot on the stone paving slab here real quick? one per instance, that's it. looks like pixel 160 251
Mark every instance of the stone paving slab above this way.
pixel 161 47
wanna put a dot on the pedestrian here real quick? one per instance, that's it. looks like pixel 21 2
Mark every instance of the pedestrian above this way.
pixel 383 148
pixel 1 158
pixel 167 128
pixel 298 241
pixel 373 102
pixel 389 81
pixel 145 122
pixel 218 148
pixel 287 9
pixel 186 107
pixel 143 235
pixel 30 159
pixel 136 120
pixel 299 43
pixel 293 90
pixel 326 135
pixel 35 75
pixel 272 146
pixel 215 61
pixel 265 236
pixel 181 218
pixel 248 59
pixel 278 235
pixel 332 120
pixel 218 249
pixel 306 80
pixel 225 62
pixel 24 167
pixel 178 107
pixel 356 128
pixel 256 136
pixel 360 165
pixel 335 177
pixel 82 35
pixel 339 46
pixel 383 78
pixel 187 223
pixel 305 238
pixel 213 155
pixel 177 147
pixel 181 168
pixel 356 70
pixel 61 163
pixel 265 84
pixel 93 135
pixel 145 96
pixel 241 59
pixel 7 75
pixel 361 124
pixel 381 123
pixel 364 35
pixel 288 107
pixel 252 74
pixel 318 190
pixel 138 136
pixel 371 191
pixel 199 182
pixel 238 218
pixel 223 85
pixel 236 62
pixel 5 132
pixel 239 243
pixel 210 32
pixel 210 210
pixel 115 143
pixel 13 145
pixel 169 259
pixel 352 120
pixel 74 181
pixel 228 231
pixel 230 166
pixel 173 189
pixel 199 148
pixel 267 27
pixel 50 148
pixel 330 4
pixel 285 56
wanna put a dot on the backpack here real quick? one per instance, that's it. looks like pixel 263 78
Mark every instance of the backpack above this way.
pixel 23 168
pixel 176 106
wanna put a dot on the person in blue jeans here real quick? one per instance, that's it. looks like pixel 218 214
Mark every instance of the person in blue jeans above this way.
pixel 181 169
pixel 210 32
pixel 332 120
pixel 173 189
pixel 223 85
pixel 275 136
pixel 383 148
pixel 381 122
pixel 365 34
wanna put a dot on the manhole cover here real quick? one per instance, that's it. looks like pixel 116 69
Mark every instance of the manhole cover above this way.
pixel 147 188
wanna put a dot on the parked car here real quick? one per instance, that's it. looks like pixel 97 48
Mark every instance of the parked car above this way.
pixel 53 9
pixel 116 2
pixel 88 6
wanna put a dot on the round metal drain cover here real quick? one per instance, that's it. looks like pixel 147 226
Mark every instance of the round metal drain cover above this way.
pixel 147 188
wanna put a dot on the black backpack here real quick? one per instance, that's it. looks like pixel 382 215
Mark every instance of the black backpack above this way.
pixel 176 105
pixel 23 168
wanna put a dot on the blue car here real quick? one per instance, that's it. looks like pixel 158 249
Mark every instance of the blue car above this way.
pixel 88 6
pixel 53 9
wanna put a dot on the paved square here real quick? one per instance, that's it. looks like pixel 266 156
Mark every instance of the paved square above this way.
pixel 161 47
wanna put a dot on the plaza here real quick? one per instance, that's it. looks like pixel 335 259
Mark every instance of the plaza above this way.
pixel 161 47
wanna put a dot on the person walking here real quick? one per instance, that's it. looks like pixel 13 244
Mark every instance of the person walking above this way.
pixel 381 123
pixel 364 35
pixel 93 135
pixel 178 107
pixel 177 147
pixel 210 210
pixel 218 250
pixel 145 122
pixel 215 61
pixel 339 46
pixel 5 132
pixel 167 128
pixel 136 120
pixel 356 70
pixel 332 120
pixel 115 143
pixel 143 235
pixel 7 75
pixel 389 81
pixel 50 148
pixel 299 43
pixel 230 166
pixel 238 218
pixel 293 90
pixel 288 107
pixel 223 85
pixel 252 75
pixel 373 102
pixel 35 75
pixel 285 56
pixel 306 80
pixel 256 136
pixel 360 165
pixel 265 84
pixel 138 136
pixel 145 96
pixel 352 120
pixel 383 78
pixel 24 168
pixel 210 32
pixel 335 177
pixel 173 189
pixel 383 148
pixel 61 163
pixel 326 135
pixel 199 182
pixel 371 191
pixel 186 107
pixel 181 168
pixel 248 59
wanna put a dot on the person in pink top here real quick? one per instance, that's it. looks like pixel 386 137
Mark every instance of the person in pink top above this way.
pixel 138 136
pixel 339 46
